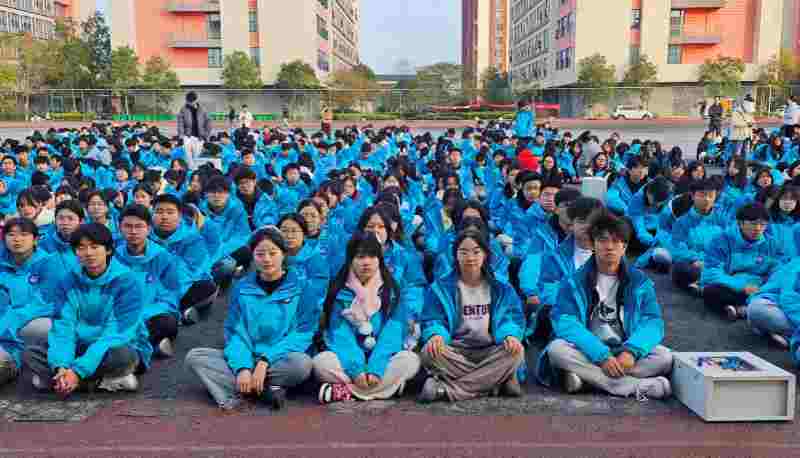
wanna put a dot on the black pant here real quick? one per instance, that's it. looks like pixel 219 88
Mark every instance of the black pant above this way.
pixel 198 295
pixel 684 274
pixel 716 297
pixel 117 362
pixel 161 327
pixel 243 256
pixel 788 130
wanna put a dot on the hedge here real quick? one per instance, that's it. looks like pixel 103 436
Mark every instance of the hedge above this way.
pixel 73 116
pixel 444 116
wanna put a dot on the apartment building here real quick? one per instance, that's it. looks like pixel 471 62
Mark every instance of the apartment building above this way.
pixel 484 37
pixel 195 35
pixel 550 37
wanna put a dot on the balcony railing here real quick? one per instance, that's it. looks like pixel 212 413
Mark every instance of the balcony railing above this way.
pixel 194 40
pixel 193 6
pixel 710 36
pixel 689 4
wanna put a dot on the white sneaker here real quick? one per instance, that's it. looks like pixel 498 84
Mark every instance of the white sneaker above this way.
pixel 572 383
pixel 37 383
pixel 126 383
pixel 190 316
pixel 653 388
pixel 166 348
pixel 780 341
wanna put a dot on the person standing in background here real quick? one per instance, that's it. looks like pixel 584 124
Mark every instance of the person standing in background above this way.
pixel 194 126
pixel 245 117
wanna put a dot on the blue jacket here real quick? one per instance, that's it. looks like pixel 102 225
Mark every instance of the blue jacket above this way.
pixel 640 314
pixel 232 224
pixel 557 265
pixel 342 337
pixel 693 232
pixel 39 275
pixel 783 289
pixel 13 319
pixel 189 247
pixel 442 315
pixel 733 262
pixel 312 268
pixel 521 224
pixel 645 218
pixel 97 314
pixel 619 196
pixel 445 262
pixel 159 274
pixel 405 266
pixel 525 124
pixel 271 326
pixel 265 212
pixel 782 228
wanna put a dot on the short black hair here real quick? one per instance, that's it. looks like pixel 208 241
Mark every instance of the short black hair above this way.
pixel 218 183
pixel 752 212
pixel 71 205
pixel 245 173
pixel 567 195
pixel 136 211
pixel 704 184
pixel 605 222
pixel 23 224
pixel 636 161
pixel 297 218
pixel 270 233
pixel 167 198
pixel 583 207
pixel 97 233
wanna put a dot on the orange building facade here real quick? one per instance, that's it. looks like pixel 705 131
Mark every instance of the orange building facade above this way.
pixel 484 37
pixel 550 37
pixel 195 35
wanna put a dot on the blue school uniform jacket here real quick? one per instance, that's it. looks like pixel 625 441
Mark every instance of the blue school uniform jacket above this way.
pixel 265 212
pixel 187 246
pixel 732 261
pixel 312 268
pixel 640 314
pixel 521 224
pixel 644 218
pixel 269 326
pixel 97 314
pixel 60 250
pixel 232 224
pixel 442 315
pixel 342 336
pixel 38 275
pixel 13 319
pixel 525 124
pixel 619 196
pixel 159 276
pixel 783 289
pixel 693 232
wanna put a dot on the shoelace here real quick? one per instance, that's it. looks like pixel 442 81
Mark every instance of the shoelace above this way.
pixel 641 397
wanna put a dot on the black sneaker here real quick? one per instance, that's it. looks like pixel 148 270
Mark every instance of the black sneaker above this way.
pixel 275 397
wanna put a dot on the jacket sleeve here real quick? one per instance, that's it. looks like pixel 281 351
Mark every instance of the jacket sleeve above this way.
pixel 434 319
pixel 550 280
pixel 119 330
pixel 716 261
pixel 319 277
pixel 637 214
pixel 299 339
pixel 62 339
pixel 195 259
pixel 614 200
pixel 172 283
pixel 509 318
pixel 530 274
pixel 181 125
pixel 570 326
pixel 650 326
pixel 341 339
pixel 390 341
pixel 238 345
pixel 680 244
pixel 206 130
pixel 412 292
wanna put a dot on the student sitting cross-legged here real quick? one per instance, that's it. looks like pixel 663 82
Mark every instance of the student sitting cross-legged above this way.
pixel 272 319
pixel 364 328
pixel 98 338
pixel 607 323
pixel 473 326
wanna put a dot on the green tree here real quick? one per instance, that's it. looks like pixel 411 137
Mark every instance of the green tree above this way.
pixel 34 58
pixel 160 77
pixel 722 76
pixel 598 76
pixel 439 84
pixel 495 86
pixel 8 84
pixel 642 75
pixel 97 36
pixel 240 72
pixel 297 75
pixel 125 73
pixel 352 89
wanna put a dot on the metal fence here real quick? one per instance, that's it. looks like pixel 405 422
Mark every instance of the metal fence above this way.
pixel 307 105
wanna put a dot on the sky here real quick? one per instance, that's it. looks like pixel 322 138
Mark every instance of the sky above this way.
pixel 422 32
pixel 399 35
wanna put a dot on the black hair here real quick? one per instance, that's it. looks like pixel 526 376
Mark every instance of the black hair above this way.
pixel 705 184
pixel 636 161
pixel 752 212
pixel 273 235
pixel 458 212
pixel 166 198
pixel 245 173
pixel 362 244
pixel 217 183
pixel 136 211
pixel 71 205
pixel 584 207
pixel 27 197
pixel 606 222
pixel 383 214
pixel 483 241
pixel 297 218
pixel 566 195
pixel 23 224
pixel 96 233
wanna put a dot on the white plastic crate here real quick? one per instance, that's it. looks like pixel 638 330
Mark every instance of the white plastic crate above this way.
pixel 757 391
pixel 596 187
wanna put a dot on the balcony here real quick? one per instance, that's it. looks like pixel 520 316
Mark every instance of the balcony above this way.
pixel 194 40
pixel 193 6
pixel 710 36
pixel 690 4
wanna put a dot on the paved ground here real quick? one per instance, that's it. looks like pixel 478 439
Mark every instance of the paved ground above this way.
pixel 173 416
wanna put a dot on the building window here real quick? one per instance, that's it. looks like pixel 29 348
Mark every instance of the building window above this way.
pixel 214 27
pixel 214 57
pixel 674 54
pixel 253 19
pixel 676 22
pixel 323 62
pixel 636 19
pixel 255 55
pixel 635 54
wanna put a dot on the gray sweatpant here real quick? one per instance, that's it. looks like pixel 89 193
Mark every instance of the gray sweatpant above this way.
pixel 470 373
pixel 211 367
pixel 567 357
pixel 402 367
pixel 36 331
pixel 8 367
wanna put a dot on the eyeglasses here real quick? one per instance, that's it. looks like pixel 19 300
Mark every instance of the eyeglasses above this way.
pixel 760 223
pixel 467 253
pixel 292 231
